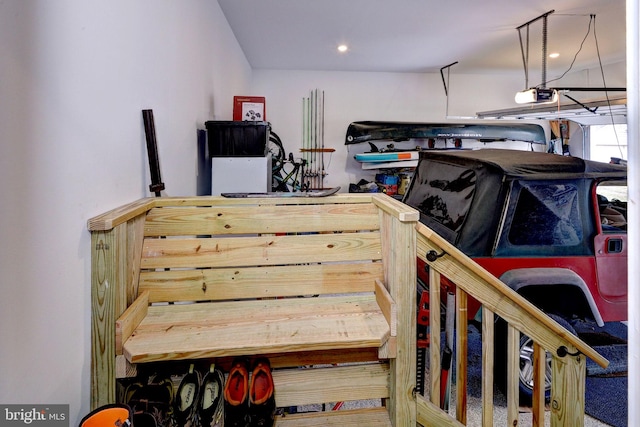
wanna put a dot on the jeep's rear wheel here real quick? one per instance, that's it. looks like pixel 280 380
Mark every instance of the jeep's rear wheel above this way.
pixel 526 362
pixel 527 371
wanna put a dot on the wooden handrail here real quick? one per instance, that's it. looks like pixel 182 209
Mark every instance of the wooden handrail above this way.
pixel 567 350
pixel 398 209
pixel 482 285
pixel 108 220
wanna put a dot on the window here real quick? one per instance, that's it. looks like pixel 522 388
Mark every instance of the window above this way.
pixel 546 214
pixel 608 142
pixel 612 204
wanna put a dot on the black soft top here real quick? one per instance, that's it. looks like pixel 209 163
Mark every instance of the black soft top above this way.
pixel 529 164
pixel 461 193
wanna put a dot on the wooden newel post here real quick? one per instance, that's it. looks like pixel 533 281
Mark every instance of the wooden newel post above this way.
pixel 568 389
pixel 103 280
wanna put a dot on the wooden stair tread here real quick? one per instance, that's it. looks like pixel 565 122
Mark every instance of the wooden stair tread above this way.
pixel 373 417
pixel 203 330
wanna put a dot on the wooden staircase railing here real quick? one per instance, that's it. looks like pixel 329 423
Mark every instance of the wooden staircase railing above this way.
pixel 568 352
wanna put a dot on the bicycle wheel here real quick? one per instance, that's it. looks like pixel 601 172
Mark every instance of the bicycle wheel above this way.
pixel 277 153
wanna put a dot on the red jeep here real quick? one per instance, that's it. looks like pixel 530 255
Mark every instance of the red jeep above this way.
pixel 551 227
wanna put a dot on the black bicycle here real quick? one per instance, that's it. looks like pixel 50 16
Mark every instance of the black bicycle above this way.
pixel 287 174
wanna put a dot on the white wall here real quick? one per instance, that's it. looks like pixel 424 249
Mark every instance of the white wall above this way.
pixel 354 96
pixel 611 75
pixel 74 77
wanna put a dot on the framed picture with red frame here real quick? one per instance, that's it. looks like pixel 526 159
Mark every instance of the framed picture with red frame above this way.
pixel 249 108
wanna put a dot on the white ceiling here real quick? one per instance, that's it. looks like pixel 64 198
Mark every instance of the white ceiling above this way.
pixel 425 35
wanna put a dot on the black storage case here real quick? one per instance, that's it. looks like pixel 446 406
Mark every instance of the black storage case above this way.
pixel 238 139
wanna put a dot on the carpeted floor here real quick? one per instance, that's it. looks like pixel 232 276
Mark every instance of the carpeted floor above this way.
pixel 606 399
pixel 605 395
pixel 606 391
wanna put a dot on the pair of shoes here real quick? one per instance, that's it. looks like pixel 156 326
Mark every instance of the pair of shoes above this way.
pixel 249 402
pixel 200 400
pixel 150 401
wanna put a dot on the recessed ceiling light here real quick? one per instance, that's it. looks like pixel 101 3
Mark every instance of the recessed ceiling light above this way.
pixel 554 55
pixel 343 48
